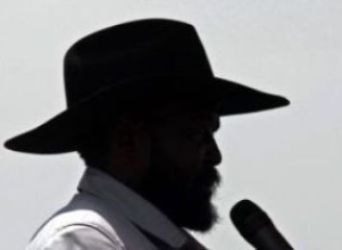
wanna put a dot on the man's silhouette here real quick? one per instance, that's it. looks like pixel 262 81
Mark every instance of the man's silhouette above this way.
pixel 142 109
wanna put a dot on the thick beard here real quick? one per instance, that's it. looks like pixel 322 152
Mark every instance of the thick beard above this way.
pixel 187 204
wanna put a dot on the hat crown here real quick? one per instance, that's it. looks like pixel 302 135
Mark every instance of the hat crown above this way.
pixel 133 50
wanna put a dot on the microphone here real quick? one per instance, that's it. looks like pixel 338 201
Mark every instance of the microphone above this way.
pixel 256 227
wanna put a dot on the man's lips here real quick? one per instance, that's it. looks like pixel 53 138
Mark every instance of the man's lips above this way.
pixel 208 180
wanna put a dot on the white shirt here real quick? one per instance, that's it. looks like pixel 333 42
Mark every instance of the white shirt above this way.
pixel 106 214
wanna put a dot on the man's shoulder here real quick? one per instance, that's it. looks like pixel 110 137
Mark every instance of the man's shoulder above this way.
pixel 81 216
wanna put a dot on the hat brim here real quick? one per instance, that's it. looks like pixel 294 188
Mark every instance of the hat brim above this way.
pixel 63 132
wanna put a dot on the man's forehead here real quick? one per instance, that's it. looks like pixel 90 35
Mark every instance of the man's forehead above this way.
pixel 203 116
pixel 187 107
pixel 210 118
pixel 194 117
pixel 191 113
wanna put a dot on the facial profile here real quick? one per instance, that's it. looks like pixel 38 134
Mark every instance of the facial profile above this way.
pixel 182 176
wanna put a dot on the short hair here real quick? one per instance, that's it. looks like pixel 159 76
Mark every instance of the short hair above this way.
pixel 94 146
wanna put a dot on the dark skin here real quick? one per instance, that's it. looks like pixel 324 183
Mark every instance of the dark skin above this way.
pixel 171 162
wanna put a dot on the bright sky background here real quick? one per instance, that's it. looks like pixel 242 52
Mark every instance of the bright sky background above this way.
pixel 287 160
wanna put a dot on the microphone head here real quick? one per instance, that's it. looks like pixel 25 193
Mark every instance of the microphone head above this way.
pixel 248 218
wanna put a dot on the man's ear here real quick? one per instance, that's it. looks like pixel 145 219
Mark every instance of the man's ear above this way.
pixel 130 152
pixel 129 132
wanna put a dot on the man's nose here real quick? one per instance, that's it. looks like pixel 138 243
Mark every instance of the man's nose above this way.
pixel 213 156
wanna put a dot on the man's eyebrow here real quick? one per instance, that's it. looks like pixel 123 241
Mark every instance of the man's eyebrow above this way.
pixel 217 125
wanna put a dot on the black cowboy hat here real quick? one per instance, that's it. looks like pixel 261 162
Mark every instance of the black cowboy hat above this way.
pixel 131 65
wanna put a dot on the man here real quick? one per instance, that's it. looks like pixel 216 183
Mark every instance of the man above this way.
pixel 143 107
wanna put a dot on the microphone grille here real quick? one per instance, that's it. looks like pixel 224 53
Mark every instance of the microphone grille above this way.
pixel 248 218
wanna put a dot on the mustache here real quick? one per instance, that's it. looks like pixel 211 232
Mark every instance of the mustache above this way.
pixel 210 177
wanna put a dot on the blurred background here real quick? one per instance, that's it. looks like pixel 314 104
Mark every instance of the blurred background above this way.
pixel 286 160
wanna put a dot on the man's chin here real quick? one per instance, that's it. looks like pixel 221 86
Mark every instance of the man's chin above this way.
pixel 199 218
pixel 199 212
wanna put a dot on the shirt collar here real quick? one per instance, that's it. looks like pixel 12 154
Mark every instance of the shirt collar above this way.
pixel 134 207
